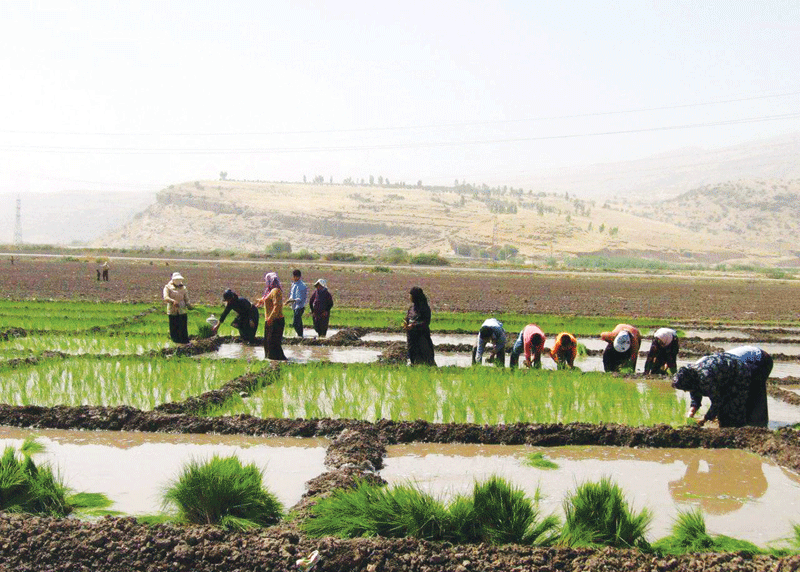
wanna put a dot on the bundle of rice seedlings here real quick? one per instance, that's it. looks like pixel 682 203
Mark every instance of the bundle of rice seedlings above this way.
pixel 223 492
pixel 597 514
pixel 689 535
pixel 24 487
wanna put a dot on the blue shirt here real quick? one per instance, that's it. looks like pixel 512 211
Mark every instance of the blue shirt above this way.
pixel 498 338
pixel 298 293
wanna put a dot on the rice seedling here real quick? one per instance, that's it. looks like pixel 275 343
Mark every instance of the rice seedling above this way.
pixel 496 512
pixel 597 514
pixel 26 487
pixel 223 492
pixel 539 461
pixel 456 395
pixel 91 504
pixel 84 344
pixel 140 382
pixel 689 536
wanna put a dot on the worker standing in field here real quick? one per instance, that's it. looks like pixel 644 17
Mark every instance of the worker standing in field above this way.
pixel 531 341
pixel 565 349
pixel 417 325
pixel 663 355
pixel 105 271
pixel 298 295
pixel 491 331
pixel 622 349
pixel 274 322
pixel 321 303
pixel 246 320
pixel 726 379
pixel 176 297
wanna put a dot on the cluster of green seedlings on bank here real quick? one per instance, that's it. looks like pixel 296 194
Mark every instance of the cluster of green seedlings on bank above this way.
pixel 224 492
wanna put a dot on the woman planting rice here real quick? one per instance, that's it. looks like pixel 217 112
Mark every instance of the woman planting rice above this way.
pixel 417 325
pixel 531 341
pixel 246 315
pixel 565 350
pixel 729 382
pixel 176 297
pixel 622 349
pixel 274 322
pixel 663 354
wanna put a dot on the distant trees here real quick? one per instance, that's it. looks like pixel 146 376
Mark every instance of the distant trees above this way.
pixel 279 248
pixel 223 175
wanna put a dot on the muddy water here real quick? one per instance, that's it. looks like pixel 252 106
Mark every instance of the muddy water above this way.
pixel 300 354
pixel 132 468
pixel 740 494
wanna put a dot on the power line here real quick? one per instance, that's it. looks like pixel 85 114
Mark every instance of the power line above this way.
pixel 388 146
pixel 406 127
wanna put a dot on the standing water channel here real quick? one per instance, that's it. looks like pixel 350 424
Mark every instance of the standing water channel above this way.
pixel 740 494
pixel 132 468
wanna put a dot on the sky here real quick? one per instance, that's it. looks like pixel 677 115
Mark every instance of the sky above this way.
pixel 129 96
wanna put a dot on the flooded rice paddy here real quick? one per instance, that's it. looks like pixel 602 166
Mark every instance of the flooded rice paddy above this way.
pixel 132 468
pixel 740 494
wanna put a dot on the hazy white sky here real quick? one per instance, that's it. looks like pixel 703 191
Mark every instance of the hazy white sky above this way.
pixel 138 95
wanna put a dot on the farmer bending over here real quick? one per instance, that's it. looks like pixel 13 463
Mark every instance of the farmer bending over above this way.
pixel 531 340
pixel 491 331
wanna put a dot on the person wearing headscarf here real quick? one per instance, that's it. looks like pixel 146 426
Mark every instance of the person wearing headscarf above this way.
pixel 531 342
pixel 491 331
pixel 246 320
pixel 622 349
pixel 274 322
pixel 565 349
pixel 726 380
pixel 176 297
pixel 320 304
pixel 760 364
pixel 663 355
pixel 417 325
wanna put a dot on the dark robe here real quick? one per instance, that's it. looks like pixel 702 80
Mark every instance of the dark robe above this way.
pixel 321 303
pixel 418 335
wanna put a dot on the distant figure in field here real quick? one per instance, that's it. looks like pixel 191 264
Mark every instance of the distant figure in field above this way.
pixel 105 271
pixel 274 322
pixel 320 304
pixel 733 385
pixel 565 350
pixel 176 297
pixel 12 261
pixel 417 325
pixel 246 320
pixel 663 355
pixel 297 298
pixel 622 349
pixel 531 341
pixel 491 331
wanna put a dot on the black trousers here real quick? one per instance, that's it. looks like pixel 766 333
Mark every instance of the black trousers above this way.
pixel 179 328
pixel 297 324
pixel 273 338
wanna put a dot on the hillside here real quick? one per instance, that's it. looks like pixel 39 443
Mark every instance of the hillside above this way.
pixel 368 219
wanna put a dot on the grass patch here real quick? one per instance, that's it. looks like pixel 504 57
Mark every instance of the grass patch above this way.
pixel 689 536
pixel 458 395
pixel 223 492
pixel 26 487
pixel 496 512
pixel 597 514
pixel 538 461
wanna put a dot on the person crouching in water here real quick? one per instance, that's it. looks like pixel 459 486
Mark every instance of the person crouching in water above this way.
pixel 531 341
pixel 731 385
pixel 622 349
pixel 246 320
pixel 565 350
pixel 274 322
pixel 491 331
pixel 663 355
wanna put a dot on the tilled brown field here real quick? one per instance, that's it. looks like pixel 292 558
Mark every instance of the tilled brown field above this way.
pixel 682 298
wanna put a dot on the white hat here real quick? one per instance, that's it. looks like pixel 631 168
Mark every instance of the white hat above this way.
pixel 665 336
pixel 322 282
pixel 177 276
pixel 622 343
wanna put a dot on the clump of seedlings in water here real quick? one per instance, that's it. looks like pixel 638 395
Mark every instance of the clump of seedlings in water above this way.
pixel 496 512
pixel 538 461
pixel 597 514
pixel 689 536
pixel 223 492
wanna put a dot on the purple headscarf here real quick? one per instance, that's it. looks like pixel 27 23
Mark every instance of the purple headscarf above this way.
pixel 271 278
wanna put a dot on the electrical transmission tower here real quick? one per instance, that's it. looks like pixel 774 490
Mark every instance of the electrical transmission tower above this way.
pixel 18 224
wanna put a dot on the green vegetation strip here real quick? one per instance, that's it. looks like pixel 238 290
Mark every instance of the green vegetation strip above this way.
pixel 457 395
pixel 84 344
pixel 140 382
